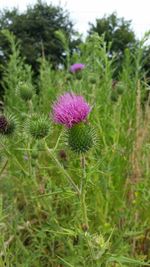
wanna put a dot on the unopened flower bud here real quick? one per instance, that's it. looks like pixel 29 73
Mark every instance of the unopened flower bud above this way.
pixel 119 88
pixel 81 137
pixel 39 127
pixel 92 79
pixel 26 92
pixel 114 96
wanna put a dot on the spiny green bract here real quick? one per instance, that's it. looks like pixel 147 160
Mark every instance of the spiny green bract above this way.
pixel 39 127
pixel 81 137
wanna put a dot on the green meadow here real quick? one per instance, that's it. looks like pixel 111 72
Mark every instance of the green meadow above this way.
pixel 59 208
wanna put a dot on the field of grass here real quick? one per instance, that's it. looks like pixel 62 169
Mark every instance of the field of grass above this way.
pixel 59 208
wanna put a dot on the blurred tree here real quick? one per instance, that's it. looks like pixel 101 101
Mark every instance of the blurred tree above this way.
pixel 35 28
pixel 116 31
pixel 146 62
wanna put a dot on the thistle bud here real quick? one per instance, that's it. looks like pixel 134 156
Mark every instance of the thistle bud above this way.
pixel 78 75
pixel 68 77
pixel 81 137
pixel 26 92
pixel 114 96
pixel 120 88
pixel 7 124
pixel 92 79
pixel 39 127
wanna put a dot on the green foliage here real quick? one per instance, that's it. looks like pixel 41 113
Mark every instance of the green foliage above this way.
pixel 16 73
pixel 37 30
pixel 117 33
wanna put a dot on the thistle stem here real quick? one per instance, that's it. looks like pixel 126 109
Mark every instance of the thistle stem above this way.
pixel 30 105
pixel 83 193
pixel 13 157
pixel 61 168
pixel 4 167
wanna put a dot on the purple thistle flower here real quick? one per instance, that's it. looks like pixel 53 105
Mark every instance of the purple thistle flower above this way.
pixel 70 109
pixel 76 67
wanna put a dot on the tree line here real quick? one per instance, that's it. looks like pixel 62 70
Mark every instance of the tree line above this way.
pixel 47 30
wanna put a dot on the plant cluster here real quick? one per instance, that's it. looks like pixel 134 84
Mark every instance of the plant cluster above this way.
pixel 74 161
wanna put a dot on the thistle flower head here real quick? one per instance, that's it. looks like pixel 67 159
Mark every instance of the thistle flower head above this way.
pixel 70 109
pixel 3 124
pixel 7 124
pixel 76 67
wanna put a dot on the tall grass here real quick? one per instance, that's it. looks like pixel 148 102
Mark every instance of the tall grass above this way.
pixel 42 218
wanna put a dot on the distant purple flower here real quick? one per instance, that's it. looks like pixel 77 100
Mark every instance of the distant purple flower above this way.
pixel 76 67
pixel 70 109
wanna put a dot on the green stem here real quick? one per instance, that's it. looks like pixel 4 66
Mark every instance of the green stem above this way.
pixel 83 193
pixel 30 105
pixel 57 141
pixel 13 157
pixel 84 210
pixel 61 168
pixel 4 167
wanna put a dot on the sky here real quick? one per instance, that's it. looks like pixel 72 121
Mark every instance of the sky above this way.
pixel 84 11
